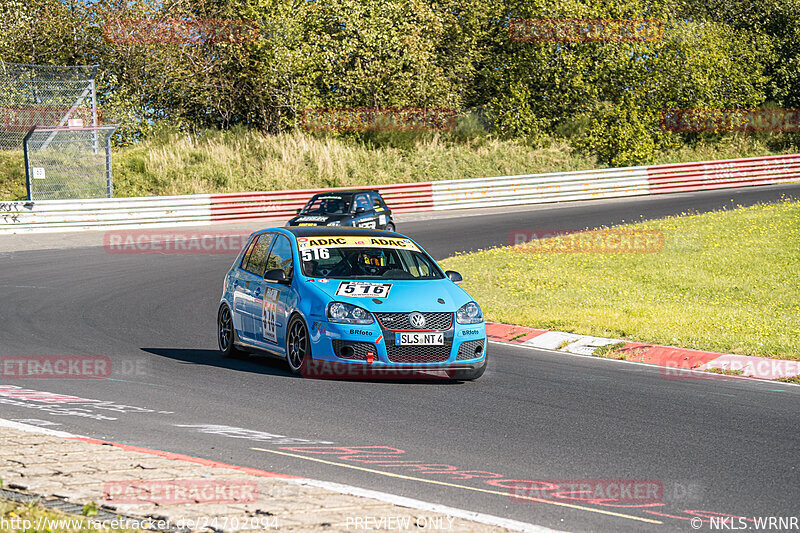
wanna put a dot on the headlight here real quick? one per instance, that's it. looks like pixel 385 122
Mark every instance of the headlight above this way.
pixel 469 313
pixel 348 314
pixel 335 223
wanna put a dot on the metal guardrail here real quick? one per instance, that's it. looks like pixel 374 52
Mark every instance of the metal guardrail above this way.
pixel 684 177
pixel 200 209
pixel 537 188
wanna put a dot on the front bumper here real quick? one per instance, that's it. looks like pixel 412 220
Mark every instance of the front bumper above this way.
pixel 356 345
pixel 326 369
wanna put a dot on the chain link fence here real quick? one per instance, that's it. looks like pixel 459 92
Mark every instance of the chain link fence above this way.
pixel 67 163
pixel 44 95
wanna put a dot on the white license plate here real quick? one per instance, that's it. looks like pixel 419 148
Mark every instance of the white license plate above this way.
pixel 419 339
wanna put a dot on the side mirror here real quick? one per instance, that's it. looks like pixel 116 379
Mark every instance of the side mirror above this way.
pixel 298 211
pixel 359 210
pixel 275 274
pixel 454 276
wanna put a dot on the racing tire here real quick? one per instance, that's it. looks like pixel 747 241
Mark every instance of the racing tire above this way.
pixel 469 375
pixel 226 333
pixel 298 345
pixel 389 227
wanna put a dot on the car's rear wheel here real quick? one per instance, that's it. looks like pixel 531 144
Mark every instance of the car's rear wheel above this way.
pixel 469 375
pixel 298 345
pixel 389 227
pixel 226 335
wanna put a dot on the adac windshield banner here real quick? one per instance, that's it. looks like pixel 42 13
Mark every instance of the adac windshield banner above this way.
pixel 355 242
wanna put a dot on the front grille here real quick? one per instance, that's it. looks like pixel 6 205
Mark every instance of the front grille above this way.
pixel 419 354
pixel 360 349
pixel 467 350
pixel 399 321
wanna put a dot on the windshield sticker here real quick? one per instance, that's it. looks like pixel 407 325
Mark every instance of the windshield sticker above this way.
pixel 312 219
pixel 363 289
pixel 355 242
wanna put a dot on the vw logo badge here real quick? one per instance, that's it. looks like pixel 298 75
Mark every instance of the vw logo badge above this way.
pixel 417 320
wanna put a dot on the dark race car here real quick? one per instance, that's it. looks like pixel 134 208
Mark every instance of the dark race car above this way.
pixel 360 209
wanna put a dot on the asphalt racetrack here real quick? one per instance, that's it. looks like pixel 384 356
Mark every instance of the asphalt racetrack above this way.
pixel 712 446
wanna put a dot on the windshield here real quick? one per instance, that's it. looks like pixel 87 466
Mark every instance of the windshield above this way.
pixel 365 258
pixel 328 204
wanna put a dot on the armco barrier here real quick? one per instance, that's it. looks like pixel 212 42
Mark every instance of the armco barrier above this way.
pixel 536 188
pixel 723 174
pixel 200 209
pixel 184 210
pixel 237 207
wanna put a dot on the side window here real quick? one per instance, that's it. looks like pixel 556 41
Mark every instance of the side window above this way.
pixel 376 201
pixel 249 251
pixel 281 256
pixel 257 257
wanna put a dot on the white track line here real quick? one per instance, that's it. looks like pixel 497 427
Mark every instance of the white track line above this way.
pixel 36 429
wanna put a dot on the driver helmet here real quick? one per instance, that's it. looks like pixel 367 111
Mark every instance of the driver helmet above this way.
pixel 373 261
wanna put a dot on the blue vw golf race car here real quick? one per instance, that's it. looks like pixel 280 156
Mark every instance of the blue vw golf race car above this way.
pixel 372 301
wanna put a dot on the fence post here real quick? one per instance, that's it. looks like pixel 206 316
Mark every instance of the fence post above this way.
pixel 109 177
pixel 94 104
pixel 28 176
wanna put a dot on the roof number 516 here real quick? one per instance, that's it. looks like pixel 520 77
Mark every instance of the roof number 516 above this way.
pixel 316 253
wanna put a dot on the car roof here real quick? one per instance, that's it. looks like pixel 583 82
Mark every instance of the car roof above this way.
pixel 317 231
pixel 345 193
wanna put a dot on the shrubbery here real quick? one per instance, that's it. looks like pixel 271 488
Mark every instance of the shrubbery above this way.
pixel 602 97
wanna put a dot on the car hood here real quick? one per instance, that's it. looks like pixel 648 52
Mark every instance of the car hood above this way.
pixel 317 219
pixel 404 295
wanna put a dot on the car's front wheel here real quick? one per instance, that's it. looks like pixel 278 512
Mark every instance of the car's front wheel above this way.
pixel 298 345
pixel 226 334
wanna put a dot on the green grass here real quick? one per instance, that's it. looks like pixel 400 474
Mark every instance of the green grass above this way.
pixel 13 514
pixel 610 351
pixel 247 160
pixel 724 281
pixel 725 371
pixel 12 176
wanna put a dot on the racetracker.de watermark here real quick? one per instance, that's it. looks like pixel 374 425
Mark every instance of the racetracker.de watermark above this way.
pixel 584 241
pixel 730 120
pixel 732 367
pixel 585 30
pixel 181 491
pixel 318 369
pixel 71 367
pixel 623 492
pixel 174 242
pixel 55 367
pixel 147 31
pixel 391 119
pixel 24 118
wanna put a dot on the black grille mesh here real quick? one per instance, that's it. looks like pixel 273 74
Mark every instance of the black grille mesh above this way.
pixel 360 349
pixel 419 354
pixel 399 321
pixel 467 350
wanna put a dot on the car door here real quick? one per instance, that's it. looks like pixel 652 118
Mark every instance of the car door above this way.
pixel 239 292
pixel 248 288
pixel 277 297
pixel 366 218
